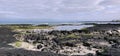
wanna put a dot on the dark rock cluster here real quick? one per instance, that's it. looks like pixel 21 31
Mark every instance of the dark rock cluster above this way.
pixel 22 52
pixel 105 39
pixel 100 40
pixel 6 36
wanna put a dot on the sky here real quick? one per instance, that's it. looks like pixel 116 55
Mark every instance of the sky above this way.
pixel 59 10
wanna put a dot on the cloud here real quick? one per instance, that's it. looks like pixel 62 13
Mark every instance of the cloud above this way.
pixel 110 2
pixel 60 9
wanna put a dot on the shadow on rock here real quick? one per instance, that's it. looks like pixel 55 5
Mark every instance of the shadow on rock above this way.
pixel 21 52
pixel 6 37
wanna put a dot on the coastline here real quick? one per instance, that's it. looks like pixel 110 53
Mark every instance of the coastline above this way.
pixel 88 41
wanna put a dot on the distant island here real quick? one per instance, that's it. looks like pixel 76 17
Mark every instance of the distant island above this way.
pixel 115 20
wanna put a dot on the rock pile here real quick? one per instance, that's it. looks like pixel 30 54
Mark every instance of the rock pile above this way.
pixel 91 41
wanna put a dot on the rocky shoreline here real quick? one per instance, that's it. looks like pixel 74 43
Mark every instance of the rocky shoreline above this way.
pixel 100 40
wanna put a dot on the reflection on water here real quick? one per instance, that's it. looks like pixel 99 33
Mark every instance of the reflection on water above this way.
pixel 65 27
pixel 71 27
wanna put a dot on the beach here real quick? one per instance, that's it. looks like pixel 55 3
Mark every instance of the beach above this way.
pixel 93 40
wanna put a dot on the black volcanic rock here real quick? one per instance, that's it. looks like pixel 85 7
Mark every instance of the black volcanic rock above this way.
pixel 105 38
pixel 21 52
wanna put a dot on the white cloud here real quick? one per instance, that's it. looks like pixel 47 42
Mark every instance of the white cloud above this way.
pixel 59 9
pixel 111 2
